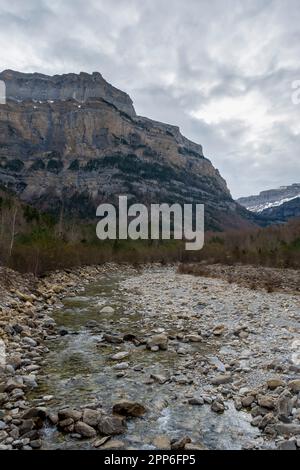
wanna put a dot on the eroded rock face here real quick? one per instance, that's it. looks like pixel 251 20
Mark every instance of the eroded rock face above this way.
pixel 39 87
pixel 74 140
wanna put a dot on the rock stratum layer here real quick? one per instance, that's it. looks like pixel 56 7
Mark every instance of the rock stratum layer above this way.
pixel 74 141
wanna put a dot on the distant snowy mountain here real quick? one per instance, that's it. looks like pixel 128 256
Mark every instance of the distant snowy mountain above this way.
pixel 271 198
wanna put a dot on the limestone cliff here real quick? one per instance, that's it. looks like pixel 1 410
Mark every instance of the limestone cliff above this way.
pixel 75 141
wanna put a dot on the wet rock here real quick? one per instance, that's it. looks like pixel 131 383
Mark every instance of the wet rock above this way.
pixel 114 339
pixel 287 445
pixel 107 309
pixel 256 421
pixel 69 413
pixel 91 417
pixel 266 421
pixel 66 425
pixel 218 406
pixel 120 355
pixel 289 429
pixel 63 332
pixel 53 418
pixel 161 379
pixel 113 444
pixel 37 444
pixel 198 446
pixel 101 442
pixel 162 442
pixel 129 408
pixel 111 425
pixel 180 443
pixel 129 337
pixel 84 429
pixel 121 366
pixel 196 401
pixel 92 324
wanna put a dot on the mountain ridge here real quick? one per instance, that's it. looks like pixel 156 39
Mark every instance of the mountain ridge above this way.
pixel 59 150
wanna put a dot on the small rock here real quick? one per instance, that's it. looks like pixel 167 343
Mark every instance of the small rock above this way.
pixel 219 330
pixel 196 401
pixel 160 341
pixel 287 445
pixel 114 339
pixel 194 338
pixel 221 379
pixel 247 401
pixel 161 379
pixel 100 442
pixel 121 366
pixel 37 444
pixel 84 429
pixel 266 402
pixel 292 429
pixel 162 442
pixel 113 444
pixel 294 385
pixel 107 310
pixel 181 443
pixel 119 356
pixel 218 406
pixel 91 417
pixel 275 383
pixel 31 342
pixel 129 408
pixel 69 413
pixel 111 425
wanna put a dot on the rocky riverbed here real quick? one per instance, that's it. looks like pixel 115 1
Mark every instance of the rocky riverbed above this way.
pixel 113 357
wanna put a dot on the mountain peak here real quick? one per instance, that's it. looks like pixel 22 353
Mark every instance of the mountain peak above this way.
pixel 81 87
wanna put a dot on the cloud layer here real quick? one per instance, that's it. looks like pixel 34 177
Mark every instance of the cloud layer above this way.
pixel 221 70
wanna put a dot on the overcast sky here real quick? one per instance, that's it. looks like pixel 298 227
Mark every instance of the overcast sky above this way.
pixel 222 70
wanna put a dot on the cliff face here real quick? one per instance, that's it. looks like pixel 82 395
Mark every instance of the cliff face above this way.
pixel 75 141
pixel 38 87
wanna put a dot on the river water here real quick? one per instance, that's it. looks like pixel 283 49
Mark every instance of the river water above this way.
pixel 78 371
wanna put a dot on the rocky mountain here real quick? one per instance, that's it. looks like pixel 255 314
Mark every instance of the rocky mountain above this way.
pixel 70 142
pixel 271 199
pixel 282 213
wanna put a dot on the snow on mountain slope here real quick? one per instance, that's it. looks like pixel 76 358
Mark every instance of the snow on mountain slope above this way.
pixel 271 198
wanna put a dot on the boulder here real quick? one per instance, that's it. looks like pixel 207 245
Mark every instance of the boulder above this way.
pixel 84 429
pixel 91 417
pixel 69 413
pixel 111 425
pixel 129 408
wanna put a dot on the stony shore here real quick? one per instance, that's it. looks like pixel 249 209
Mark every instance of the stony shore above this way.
pixel 249 355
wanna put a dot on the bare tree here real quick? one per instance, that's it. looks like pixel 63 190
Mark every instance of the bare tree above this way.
pixel 13 230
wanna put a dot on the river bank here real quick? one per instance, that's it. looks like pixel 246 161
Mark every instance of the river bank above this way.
pixel 158 358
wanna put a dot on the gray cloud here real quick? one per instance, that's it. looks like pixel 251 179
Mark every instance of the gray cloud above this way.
pixel 221 70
